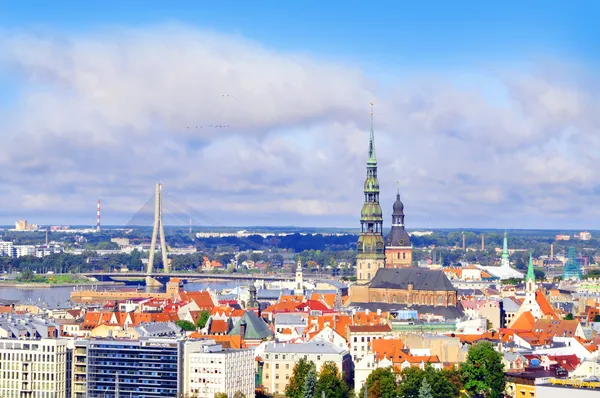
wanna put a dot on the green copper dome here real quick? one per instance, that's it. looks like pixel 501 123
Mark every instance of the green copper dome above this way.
pixel 371 211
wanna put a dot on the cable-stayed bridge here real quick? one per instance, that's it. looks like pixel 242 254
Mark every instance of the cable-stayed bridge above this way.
pixel 158 209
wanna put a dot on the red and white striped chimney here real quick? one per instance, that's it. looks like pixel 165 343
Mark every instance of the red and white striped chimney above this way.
pixel 98 219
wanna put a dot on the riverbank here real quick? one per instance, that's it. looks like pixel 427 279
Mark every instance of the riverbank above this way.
pixel 41 285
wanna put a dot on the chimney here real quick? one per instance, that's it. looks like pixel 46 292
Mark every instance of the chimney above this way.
pixel 243 329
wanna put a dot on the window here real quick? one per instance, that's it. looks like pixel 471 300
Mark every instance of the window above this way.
pixel 287 365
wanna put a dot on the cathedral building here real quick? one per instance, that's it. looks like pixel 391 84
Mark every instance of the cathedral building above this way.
pixel 384 273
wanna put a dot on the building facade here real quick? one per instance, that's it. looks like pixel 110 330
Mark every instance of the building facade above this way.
pixel 143 368
pixel 33 368
pixel 370 248
pixel 398 249
pixel 210 369
pixel 280 358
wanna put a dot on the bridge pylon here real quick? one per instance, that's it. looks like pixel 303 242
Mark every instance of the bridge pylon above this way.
pixel 158 227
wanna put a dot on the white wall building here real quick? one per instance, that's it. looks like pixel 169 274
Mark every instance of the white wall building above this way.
pixel 280 358
pixel 209 369
pixel 33 368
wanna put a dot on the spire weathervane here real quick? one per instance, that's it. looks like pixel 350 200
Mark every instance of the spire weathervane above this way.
pixel 372 140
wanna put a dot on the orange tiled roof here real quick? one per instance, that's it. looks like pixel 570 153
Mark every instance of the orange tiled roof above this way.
pixel 286 306
pixel 546 308
pixel 219 326
pixel 327 299
pixel 524 322
pixel 227 341
pixel 560 328
pixel 387 348
pixel 202 299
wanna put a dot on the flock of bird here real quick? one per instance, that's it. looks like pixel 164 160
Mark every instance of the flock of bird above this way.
pixel 218 126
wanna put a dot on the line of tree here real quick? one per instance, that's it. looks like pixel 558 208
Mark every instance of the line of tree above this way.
pixel 482 374
pixel 306 382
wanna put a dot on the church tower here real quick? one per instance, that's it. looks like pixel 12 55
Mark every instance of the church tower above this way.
pixel 530 286
pixel 370 251
pixel 398 249
pixel 299 286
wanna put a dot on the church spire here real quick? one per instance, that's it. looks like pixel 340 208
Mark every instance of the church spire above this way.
pixel 372 157
pixel 505 259
pixel 370 246
pixel 530 273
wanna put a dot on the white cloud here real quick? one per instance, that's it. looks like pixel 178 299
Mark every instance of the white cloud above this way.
pixel 107 114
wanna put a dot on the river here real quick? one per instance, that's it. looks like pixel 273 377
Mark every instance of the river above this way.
pixel 60 295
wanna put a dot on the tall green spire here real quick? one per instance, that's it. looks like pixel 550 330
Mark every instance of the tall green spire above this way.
pixel 370 242
pixel 505 259
pixel 372 159
pixel 530 274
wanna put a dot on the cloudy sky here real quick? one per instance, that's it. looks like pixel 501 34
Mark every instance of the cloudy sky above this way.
pixel 486 117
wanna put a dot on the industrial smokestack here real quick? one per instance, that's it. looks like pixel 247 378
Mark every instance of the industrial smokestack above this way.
pixel 551 251
pixel 482 242
pixel 464 242
pixel 98 217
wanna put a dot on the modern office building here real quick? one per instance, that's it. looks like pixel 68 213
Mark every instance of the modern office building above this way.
pixel 35 368
pixel 210 369
pixel 143 368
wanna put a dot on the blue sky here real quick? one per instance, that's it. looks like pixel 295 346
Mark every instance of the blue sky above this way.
pixel 453 81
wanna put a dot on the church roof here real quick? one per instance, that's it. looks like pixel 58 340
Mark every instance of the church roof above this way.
pixel 256 328
pixel 421 278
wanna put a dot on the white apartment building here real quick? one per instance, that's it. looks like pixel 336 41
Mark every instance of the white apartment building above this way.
pixel 7 249
pixel 24 250
pixel 209 369
pixel 33 368
pixel 280 358
pixel 361 337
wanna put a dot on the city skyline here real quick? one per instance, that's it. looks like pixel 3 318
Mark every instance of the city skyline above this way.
pixel 486 117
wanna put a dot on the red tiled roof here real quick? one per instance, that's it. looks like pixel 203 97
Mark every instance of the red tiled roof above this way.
pixel 219 326
pixel 203 299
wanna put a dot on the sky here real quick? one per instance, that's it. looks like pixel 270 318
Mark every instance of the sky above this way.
pixel 485 115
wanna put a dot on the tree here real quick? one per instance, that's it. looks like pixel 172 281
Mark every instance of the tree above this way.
pixel 483 371
pixel 380 383
pixel 186 325
pixel 201 322
pixel 310 384
pixel 569 317
pixel 330 382
pixel 425 390
pixel 295 387
pixel 439 381
pixel 27 275
pixel 239 395
pixel 220 395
